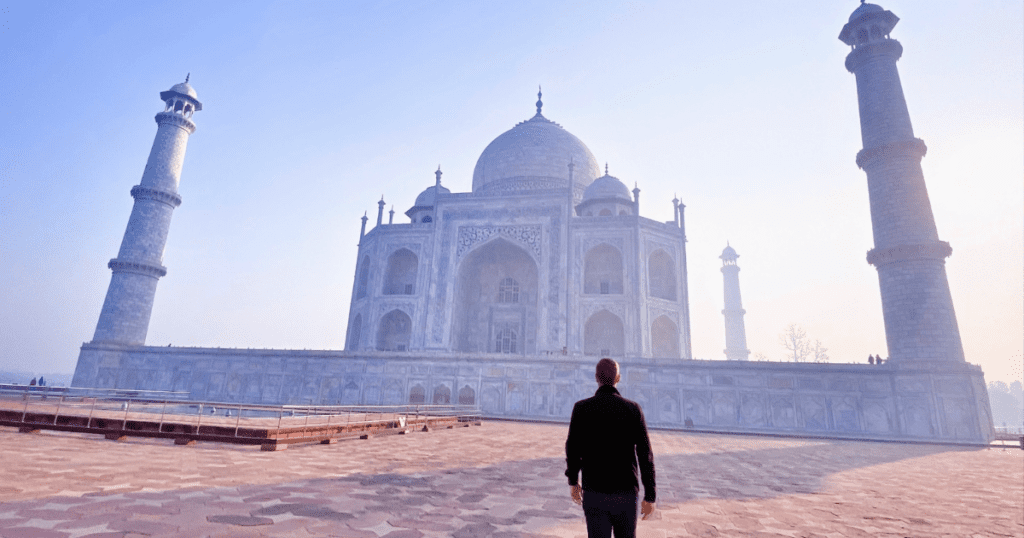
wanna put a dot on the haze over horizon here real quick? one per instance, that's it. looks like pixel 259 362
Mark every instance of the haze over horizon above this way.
pixel 312 111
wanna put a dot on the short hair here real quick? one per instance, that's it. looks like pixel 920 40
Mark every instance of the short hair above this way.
pixel 607 371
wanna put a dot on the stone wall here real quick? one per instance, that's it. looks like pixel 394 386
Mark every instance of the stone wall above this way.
pixel 938 403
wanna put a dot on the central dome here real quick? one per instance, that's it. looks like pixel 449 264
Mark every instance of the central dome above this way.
pixel 533 155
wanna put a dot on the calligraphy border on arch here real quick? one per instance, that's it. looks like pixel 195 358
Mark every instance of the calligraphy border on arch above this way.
pixel 525 234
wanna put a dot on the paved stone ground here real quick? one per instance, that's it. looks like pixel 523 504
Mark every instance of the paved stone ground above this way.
pixel 500 479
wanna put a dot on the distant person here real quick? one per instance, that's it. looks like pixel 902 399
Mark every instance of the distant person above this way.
pixel 878 359
pixel 42 382
pixel 607 439
pixel 871 360
pixel 32 383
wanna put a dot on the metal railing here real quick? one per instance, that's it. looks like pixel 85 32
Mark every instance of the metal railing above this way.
pixel 166 414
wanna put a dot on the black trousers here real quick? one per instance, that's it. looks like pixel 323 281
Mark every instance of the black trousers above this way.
pixel 608 511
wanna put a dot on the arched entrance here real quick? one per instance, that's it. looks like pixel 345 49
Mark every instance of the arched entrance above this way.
pixel 496 300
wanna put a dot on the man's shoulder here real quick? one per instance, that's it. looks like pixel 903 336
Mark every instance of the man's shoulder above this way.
pixel 601 399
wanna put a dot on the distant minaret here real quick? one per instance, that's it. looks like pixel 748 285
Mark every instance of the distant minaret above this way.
pixel 735 332
pixel 138 265
pixel 920 325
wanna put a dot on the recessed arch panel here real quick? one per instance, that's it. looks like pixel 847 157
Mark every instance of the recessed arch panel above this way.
pixel 496 300
pixel 602 270
pixel 662 275
pixel 401 273
pixel 394 331
pixel 603 335
pixel 664 338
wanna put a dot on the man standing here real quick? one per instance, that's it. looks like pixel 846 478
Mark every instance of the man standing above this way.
pixel 607 438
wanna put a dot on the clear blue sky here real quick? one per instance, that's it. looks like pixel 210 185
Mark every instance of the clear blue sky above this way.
pixel 313 110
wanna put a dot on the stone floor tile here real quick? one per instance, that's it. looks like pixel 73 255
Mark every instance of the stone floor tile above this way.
pixel 29 532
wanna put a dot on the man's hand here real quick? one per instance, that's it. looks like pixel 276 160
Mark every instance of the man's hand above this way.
pixel 646 509
pixel 576 492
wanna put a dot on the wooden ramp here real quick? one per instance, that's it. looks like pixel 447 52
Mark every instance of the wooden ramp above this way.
pixel 272 427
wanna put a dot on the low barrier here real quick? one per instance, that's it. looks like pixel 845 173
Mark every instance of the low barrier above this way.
pixel 118 415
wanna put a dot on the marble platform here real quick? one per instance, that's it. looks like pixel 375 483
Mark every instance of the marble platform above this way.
pixel 502 479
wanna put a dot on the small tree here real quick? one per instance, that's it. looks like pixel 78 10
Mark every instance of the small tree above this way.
pixel 794 339
pixel 818 352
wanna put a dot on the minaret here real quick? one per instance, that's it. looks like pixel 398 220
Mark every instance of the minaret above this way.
pixel 735 332
pixel 138 265
pixel 920 325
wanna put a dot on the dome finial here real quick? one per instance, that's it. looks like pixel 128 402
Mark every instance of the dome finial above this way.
pixel 606 168
pixel 437 174
pixel 539 102
pixel 186 77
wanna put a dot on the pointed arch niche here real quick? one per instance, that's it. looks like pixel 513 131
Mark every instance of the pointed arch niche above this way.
pixel 394 331
pixel 603 335
pixel 354 333
pixel 602 270
pixel 662 275
pixel 496 300
pixel 664 338
pixel 364 278
pixel 401 273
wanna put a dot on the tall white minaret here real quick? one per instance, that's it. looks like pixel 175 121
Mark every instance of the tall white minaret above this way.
pixel 139 264
pixel 735 332
pixel 920 325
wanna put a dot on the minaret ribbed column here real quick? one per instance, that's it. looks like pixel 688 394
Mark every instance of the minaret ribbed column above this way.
pixel 920 324
pixel 735 331
pixel 139 263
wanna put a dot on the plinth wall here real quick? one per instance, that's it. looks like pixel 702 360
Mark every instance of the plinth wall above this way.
pixel 926 402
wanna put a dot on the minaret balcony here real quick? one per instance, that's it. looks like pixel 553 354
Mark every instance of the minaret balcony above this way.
pixel 145 193
pixel 178 120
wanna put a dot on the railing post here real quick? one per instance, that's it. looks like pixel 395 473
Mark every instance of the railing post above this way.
pixel 238 419
pixel 88 423
pixel 199 422
pixel 24 411
pixel 57 414
pixel 127 407
pixel 163 410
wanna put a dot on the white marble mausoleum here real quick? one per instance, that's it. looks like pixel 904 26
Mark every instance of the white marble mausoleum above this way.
pixel 546 255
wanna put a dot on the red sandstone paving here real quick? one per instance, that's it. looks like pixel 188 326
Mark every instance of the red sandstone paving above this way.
pixel 501 479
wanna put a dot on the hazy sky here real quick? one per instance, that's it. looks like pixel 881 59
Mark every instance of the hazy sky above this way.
pixel 312 111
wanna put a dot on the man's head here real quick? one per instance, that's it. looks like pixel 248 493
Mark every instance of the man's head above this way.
pixel 607 372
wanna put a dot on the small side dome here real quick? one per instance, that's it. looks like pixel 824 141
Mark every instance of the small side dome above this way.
pixel 185 88
pixel 864 9
pixel 729 253
pixel 607 188
pixel 182 89
pixel 429 195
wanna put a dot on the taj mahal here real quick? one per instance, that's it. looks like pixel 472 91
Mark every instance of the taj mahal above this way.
pixel 546 256
pixel 504 297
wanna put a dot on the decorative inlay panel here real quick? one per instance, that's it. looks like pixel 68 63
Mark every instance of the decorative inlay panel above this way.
pixel 529 235
pixel 384 307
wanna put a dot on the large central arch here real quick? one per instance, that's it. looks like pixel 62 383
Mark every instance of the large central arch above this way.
pixel 496 300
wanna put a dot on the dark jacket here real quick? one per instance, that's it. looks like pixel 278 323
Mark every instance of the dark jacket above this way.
pixel 607 437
